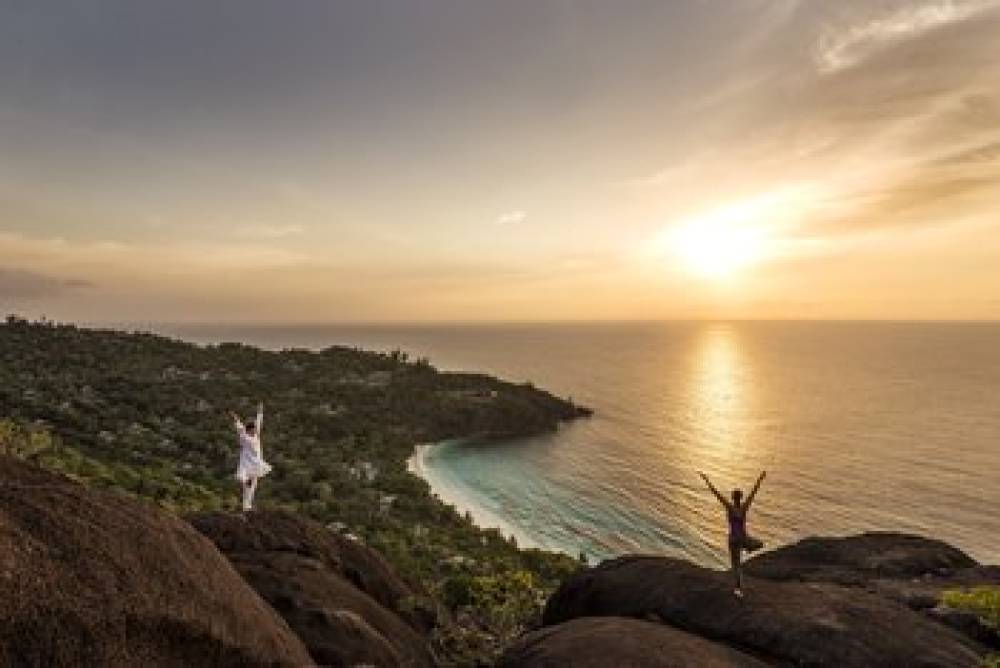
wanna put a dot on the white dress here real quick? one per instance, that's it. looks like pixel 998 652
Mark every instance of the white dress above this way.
pixel 252 464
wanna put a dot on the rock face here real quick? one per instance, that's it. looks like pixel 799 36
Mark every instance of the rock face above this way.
pixel 809 624
pixel 340 597
pixel 857 560
pixel 599 642
pixel 89 578
pixel 911 570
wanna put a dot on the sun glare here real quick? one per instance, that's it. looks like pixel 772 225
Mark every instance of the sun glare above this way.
pixel 728 240
pixel 717 249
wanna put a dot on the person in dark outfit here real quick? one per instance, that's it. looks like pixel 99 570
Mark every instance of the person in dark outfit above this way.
pixel 736 514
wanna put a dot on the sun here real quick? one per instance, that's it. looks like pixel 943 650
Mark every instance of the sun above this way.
pixel 715 249
pixel 726 241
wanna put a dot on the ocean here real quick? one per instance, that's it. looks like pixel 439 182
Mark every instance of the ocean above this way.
pixel 860 426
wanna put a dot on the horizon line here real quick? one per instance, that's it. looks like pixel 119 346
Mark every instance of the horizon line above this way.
pixel 510 322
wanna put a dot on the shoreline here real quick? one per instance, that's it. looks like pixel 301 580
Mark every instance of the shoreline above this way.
pixel 447 493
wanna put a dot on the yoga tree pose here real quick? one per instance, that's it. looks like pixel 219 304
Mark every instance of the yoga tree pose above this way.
pixel 252 466
pixel 736 513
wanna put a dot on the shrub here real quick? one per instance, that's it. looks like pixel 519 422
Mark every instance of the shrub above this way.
pixel 458 590
pixel 984 601
pixel 23 441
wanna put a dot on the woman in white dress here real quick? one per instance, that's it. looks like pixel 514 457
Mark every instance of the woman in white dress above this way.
pixel 252 466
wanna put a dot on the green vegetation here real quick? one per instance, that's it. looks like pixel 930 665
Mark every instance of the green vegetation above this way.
pixel 156 482
pixel 146 415
pixel 984 602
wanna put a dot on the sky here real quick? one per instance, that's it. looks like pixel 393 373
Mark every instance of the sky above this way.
pixel 303 161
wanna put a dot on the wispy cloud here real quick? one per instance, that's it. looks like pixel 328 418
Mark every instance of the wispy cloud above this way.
pixel 58 255
pixel 271 231
pixel 842 47
pixel 511 217
pixel 18 284
pixel 888 147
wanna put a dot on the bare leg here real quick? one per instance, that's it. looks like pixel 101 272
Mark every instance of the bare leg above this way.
pixel 735 550
pixel 248 491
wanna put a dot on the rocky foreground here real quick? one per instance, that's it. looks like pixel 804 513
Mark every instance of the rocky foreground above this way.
pixel 868 600
pixel 92 578
pixel 341 598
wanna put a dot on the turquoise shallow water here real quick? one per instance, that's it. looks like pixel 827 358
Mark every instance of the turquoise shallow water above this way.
pixel 860 425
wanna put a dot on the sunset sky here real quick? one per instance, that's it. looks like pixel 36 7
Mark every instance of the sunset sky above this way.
pixel 308 161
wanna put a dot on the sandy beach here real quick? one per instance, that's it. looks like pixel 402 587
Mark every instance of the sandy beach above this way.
pixel 421 464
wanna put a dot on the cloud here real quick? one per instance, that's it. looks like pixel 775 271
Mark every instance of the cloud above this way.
pixel 26 284
pixel 155 280
pixel 843 47
pixel 938 190
pixel 57 255
pixel 511 217
pixel 906 137
pixel 271 231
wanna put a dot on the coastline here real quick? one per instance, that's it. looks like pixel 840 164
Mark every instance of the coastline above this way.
pixel 420 464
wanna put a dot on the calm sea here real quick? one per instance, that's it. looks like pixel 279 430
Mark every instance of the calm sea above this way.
pixel 859 425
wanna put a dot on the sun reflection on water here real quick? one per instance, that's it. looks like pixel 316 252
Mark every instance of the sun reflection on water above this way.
pixel 718 398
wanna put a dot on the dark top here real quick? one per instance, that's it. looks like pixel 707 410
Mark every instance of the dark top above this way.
pixel 737 523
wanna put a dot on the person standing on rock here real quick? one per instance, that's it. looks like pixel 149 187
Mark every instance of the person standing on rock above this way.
pixel 736 514
pixel 252 466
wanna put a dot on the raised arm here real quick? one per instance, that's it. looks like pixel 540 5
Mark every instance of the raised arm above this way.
pixel 723 500
pixel 260 417
pixel 238 422
pixel 756 486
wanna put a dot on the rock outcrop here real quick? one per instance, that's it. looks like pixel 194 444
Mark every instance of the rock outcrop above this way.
pixel 858 560
pixel 89 578
pixel 911 570
pixel 823 602
pixel 600 642
pixel 805 624
pixel 340 597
